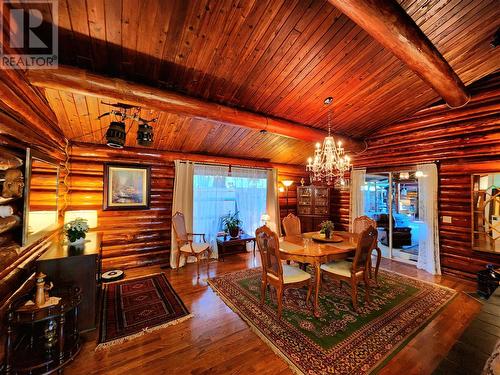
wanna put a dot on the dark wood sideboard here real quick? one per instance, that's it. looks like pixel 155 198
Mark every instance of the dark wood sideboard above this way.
pixel 67 265
pixel 313 206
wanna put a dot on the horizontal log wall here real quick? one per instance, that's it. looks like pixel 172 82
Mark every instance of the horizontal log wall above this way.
pixel 462 141
pixel 134 238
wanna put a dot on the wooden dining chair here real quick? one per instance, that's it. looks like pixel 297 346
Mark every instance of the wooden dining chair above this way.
pixel 291 225
pixel 185 243
pixel 274 272
pixel 359 225
pixel 357 270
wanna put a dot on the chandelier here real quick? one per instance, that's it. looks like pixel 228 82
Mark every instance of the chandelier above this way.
pixel 329 163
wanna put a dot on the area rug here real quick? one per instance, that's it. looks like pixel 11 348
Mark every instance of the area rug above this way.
pixel 340 341
pixel 133 307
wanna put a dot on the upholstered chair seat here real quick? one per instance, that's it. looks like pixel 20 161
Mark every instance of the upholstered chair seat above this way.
pixel 195 247
pixel 342 268
pixel 293 274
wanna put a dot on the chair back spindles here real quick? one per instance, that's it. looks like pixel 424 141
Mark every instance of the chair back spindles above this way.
pixel 366 242
pixel 268 244
pixel 291 225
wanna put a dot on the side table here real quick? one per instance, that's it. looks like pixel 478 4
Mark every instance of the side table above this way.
pixel 42 340
pixel 228 245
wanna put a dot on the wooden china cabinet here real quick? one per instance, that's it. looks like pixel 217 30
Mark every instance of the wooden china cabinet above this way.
pixel 313 206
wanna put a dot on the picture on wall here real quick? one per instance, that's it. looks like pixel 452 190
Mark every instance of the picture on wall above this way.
pixel 126 187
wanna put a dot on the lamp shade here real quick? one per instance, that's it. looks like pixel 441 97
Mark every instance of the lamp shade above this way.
pixel 265 217
pixel 89 215
pixel 287 183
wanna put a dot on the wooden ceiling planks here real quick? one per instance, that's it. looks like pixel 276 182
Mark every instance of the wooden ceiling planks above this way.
pixel 277 57
pixel 77 117
pixel 280 58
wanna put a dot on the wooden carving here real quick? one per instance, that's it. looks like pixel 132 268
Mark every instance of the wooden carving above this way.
pixel 14 184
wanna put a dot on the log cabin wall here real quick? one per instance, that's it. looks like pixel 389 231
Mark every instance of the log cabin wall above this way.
pixel 26 120
pixel 135 238
pixel 462 141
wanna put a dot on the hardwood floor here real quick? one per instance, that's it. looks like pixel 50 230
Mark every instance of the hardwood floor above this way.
pixel 217 341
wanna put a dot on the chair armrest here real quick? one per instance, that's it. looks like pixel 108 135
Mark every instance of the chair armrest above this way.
pixel 198 234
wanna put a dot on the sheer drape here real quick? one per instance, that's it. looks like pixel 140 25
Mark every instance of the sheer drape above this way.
pixel 428 245
pixel 273 206
pixel 216 193
pixel 250 186
pixel 182 202
pixel 210 201
pixel 357 194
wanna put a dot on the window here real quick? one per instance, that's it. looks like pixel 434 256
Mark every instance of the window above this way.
pixel 217 193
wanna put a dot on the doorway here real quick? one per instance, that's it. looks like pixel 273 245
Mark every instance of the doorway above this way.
pixel 391 199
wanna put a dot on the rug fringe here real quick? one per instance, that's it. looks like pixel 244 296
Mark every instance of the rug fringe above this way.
pixel 255 330
pixel 121 340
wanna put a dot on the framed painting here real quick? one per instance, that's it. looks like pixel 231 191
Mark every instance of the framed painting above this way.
pixel 126 187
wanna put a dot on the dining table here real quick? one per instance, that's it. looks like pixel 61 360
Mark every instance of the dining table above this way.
pixel 304 249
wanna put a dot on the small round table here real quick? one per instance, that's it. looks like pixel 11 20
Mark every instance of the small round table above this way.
pixel 42 340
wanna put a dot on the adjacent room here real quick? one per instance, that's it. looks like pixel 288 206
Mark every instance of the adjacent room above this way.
pixel 250 187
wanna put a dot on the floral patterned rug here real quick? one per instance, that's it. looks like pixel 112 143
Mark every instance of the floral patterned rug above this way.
pixel 340 341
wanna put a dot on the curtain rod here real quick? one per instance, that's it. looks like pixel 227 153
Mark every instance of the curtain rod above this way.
pixel 228 165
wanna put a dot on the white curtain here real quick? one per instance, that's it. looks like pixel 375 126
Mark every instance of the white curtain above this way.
pixel 273 206
pixel 209 201
pixel 250 186
pixel 218 192
pixel 428 245
pixel 182 202
pixel 358 177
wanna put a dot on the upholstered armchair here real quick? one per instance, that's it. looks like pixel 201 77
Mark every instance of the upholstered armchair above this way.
pixel 186 245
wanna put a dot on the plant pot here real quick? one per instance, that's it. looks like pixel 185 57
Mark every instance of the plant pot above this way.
pixel 78 242
pixel 234 232
pixel 327 233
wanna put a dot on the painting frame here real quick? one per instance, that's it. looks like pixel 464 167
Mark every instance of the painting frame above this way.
pixel 111 172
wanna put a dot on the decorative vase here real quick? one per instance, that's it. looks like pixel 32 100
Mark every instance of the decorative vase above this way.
pixel 234 232
pixel 78 242
pixel 327 233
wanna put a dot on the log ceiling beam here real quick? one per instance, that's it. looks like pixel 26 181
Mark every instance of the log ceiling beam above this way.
pixel 388 23
pixel 82 82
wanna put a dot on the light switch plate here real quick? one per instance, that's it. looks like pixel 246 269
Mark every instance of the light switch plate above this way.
pixel 446 219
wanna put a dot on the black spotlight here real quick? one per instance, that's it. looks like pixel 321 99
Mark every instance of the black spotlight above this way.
pixel 115 135
pixel 145 135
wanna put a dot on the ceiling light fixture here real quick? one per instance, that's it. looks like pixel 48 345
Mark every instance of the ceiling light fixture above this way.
pixel 329 163
pixel 115 135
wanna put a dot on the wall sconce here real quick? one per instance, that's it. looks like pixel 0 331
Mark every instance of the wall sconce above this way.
pixel 404 175
pixel 419 174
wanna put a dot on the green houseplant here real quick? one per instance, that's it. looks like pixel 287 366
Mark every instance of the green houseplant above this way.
pixel 327 228
pixel 76 230
pixel 232 224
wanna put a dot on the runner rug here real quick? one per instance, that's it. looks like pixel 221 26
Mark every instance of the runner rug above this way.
pixel 133 307
pixel 340 341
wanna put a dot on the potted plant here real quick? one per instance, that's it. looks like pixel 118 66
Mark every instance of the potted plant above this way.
pixel 232 224
pixel 327 228
pixel 76 231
